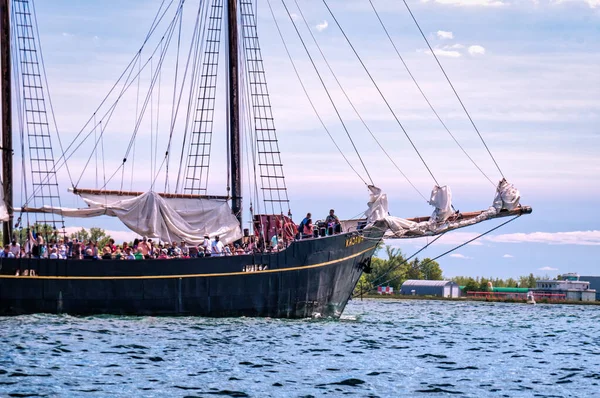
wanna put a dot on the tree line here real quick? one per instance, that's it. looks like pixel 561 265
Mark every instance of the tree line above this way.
pixel 50 234
pixel 396 269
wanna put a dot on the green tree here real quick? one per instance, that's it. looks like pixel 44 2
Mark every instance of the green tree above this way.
pixel 471 285
pixel 414 270
pixel 431 270
pixel 82 235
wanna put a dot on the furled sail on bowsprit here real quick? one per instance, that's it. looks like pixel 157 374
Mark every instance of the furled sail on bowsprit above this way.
pixel 168 219
pixel 444 218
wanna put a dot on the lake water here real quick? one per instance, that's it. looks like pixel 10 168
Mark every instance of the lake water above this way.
pixel 383 348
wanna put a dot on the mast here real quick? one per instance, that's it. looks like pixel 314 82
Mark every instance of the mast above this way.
pixel 234 111
pixel 6 116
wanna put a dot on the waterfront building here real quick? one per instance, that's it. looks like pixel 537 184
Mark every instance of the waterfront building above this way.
pixel 594 284
pixel 570 285
pixel 415 287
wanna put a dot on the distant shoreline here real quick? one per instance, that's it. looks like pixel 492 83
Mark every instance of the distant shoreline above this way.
pixel 463 299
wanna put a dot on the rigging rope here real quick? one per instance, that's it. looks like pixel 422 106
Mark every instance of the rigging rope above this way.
pixel 453 89
pixel 459 246
pixel 195 49
pixel 48 86
pixel 327 91
pixel 424 95
pixel 352 104
pixel 309 98
pixel 174 110
pixel 380 92
pixel 64 157
pixel 393 267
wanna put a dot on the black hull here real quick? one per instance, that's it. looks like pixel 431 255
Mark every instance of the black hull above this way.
pixel 312 277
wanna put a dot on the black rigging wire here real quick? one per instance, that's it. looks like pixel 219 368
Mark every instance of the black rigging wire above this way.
pixel 453 89
pixel 308 96
pixel 380 92
pixel 41 53
pixel 326 90
pixel 64 157
pixel 195 49
pixel 393 267
pixel 425 96
pixel 352 103
pixel 459 246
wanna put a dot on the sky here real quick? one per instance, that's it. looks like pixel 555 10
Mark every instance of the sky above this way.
pixel 526 70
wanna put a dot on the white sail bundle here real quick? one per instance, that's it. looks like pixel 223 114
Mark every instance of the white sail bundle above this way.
pixel 507 199
pixel 167 219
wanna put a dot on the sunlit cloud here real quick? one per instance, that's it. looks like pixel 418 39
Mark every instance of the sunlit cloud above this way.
pixel 476 50
pixel 461 256
pixel 442 34
pixel 547 269
pixel 508 256
pixel 577 238
pixel 322 26
pixel 469 3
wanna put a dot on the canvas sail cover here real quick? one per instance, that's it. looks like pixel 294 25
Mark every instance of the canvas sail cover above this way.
pixel 507 198
pixel 168 219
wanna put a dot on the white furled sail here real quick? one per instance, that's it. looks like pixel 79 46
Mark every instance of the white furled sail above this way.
pixel 378 205
pixel 507 196
pixel 168 219
pixel 441 199
pixel 444 218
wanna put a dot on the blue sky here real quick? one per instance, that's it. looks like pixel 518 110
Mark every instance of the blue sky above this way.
pixel 526 70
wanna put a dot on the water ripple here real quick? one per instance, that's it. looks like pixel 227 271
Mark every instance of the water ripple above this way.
pixel 378 349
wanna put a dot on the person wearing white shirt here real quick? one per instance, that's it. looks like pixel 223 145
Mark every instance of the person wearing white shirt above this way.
pixel 15 248
pixel 217 247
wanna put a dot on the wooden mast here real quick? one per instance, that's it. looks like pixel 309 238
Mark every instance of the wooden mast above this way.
pixel 5 64
pixel 234 111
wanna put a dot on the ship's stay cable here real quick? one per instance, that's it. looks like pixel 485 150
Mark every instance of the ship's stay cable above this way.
pixel 459 246
pixel 174 109
pixel 453 89
pixel 352 103
pixel 326 90
pixel 383 97
pixel 126 84
pixel 309 98
pixel 425 96
pixel 43 65
pixel 195 48
pixel 394 267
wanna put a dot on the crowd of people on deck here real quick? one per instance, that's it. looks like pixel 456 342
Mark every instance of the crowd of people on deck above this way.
pixel 66 248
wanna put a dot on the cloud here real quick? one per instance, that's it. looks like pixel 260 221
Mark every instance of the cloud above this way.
pixel 442 34
pixel 456 46
pixel 547 269
pixel 443 53
pixel 579 238
pixel 508 256
pixel 476 50
pixel 322 26
pixel 294 16
pixel 469 3
pixel 462 256
pixel 591 3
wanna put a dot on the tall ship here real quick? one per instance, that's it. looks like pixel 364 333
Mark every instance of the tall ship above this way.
pixel 218 89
